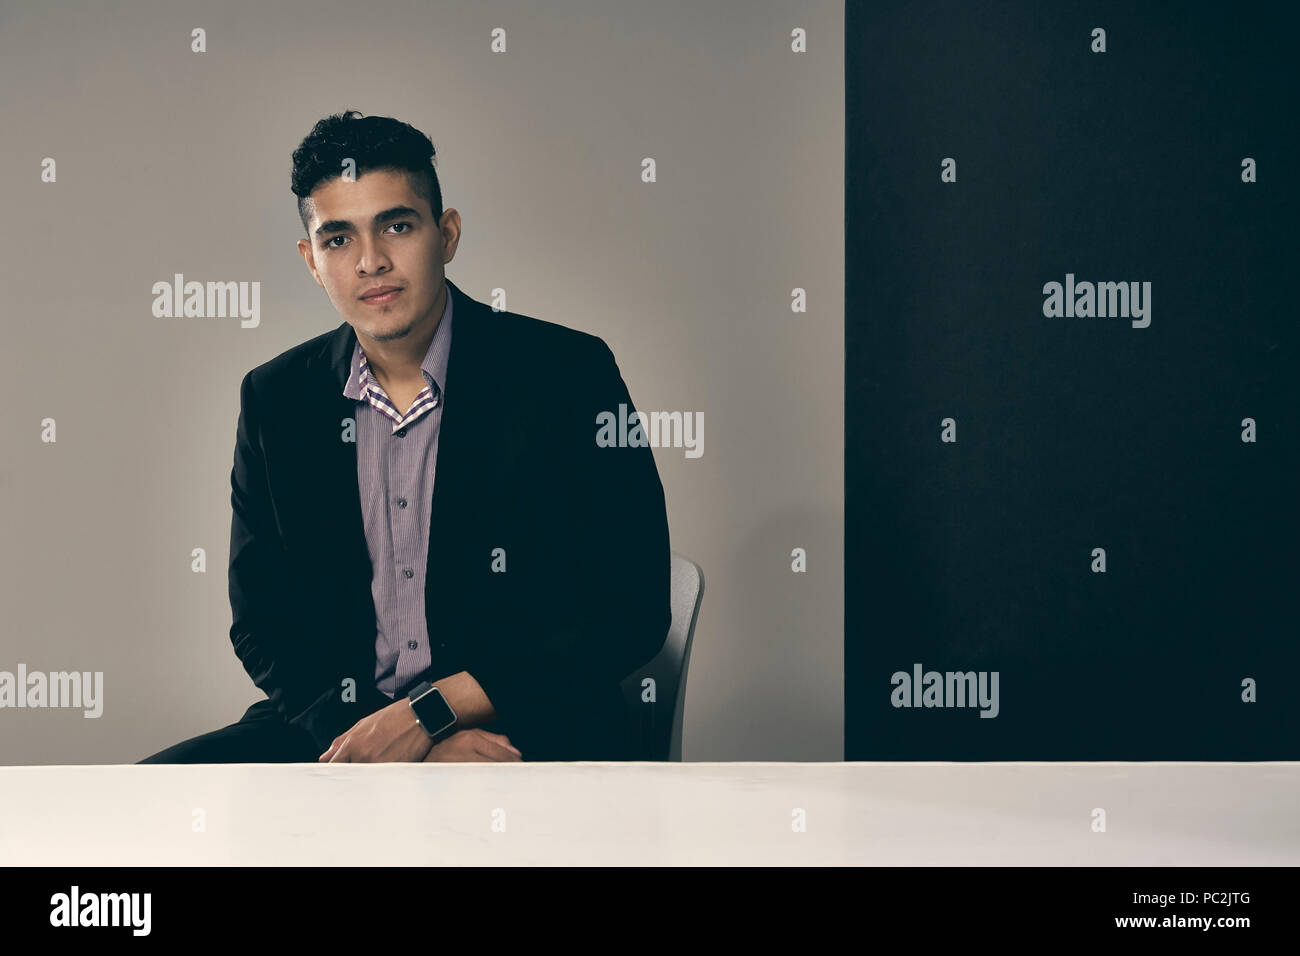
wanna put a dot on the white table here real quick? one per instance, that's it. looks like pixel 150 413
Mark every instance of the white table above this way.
pixel 1213 814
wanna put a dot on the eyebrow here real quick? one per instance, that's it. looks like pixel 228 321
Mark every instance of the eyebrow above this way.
pixel 388 215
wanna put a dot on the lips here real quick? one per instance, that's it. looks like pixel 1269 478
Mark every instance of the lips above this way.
pixel 381 294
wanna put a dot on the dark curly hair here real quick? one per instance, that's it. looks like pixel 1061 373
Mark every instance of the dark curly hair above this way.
pixel 372 142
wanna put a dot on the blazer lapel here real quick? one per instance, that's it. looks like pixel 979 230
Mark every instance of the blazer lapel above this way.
pixel 477 438
pixel 328 464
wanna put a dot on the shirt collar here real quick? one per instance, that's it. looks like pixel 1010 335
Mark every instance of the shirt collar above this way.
pixel 434 365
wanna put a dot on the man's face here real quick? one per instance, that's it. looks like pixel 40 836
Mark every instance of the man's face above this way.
pixel 373 233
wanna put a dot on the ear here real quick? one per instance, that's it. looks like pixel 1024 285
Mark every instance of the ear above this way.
pixel 450 228
pixel 308 256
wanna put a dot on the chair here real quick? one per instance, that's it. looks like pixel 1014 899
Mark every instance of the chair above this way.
pixel 659 723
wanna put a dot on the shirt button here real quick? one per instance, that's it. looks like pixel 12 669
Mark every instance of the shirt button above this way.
pixel 400 433
pixel 443 644
pixel 408 572
pixel 401 502
pixel 412 645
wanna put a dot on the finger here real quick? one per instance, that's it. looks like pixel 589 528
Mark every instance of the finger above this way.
pixel 489 735
pixel 433 754
pixel 333 747
pixel 504 741
pixel 494 751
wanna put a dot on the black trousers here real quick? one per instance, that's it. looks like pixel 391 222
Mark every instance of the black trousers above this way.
pixel 260 736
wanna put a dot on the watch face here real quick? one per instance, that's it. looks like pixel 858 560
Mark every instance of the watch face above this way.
pixel 434 711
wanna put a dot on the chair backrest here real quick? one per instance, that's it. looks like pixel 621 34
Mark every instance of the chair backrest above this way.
pixel 659 722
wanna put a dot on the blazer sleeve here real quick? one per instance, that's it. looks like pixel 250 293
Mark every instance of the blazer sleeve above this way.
pixel 268 631
pixel 617 600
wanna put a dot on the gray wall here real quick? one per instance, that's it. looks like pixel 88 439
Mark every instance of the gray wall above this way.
pixel 172 161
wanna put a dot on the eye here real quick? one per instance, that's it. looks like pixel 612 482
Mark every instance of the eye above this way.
pixel 396 224
pixel 329 241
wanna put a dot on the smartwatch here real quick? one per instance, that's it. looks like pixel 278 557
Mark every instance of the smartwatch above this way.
pixel 432 712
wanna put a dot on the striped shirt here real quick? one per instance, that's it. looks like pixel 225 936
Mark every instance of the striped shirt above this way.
pixel 396 456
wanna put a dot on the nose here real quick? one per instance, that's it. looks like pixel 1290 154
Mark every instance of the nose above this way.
pixel 372 261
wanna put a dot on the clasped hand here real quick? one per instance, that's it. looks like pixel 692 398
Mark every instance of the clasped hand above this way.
pixel 392 734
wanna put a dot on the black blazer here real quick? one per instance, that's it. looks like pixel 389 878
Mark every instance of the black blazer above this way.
pixel 584 599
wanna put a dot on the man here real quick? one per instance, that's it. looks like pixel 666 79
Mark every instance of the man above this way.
pixel 431 557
